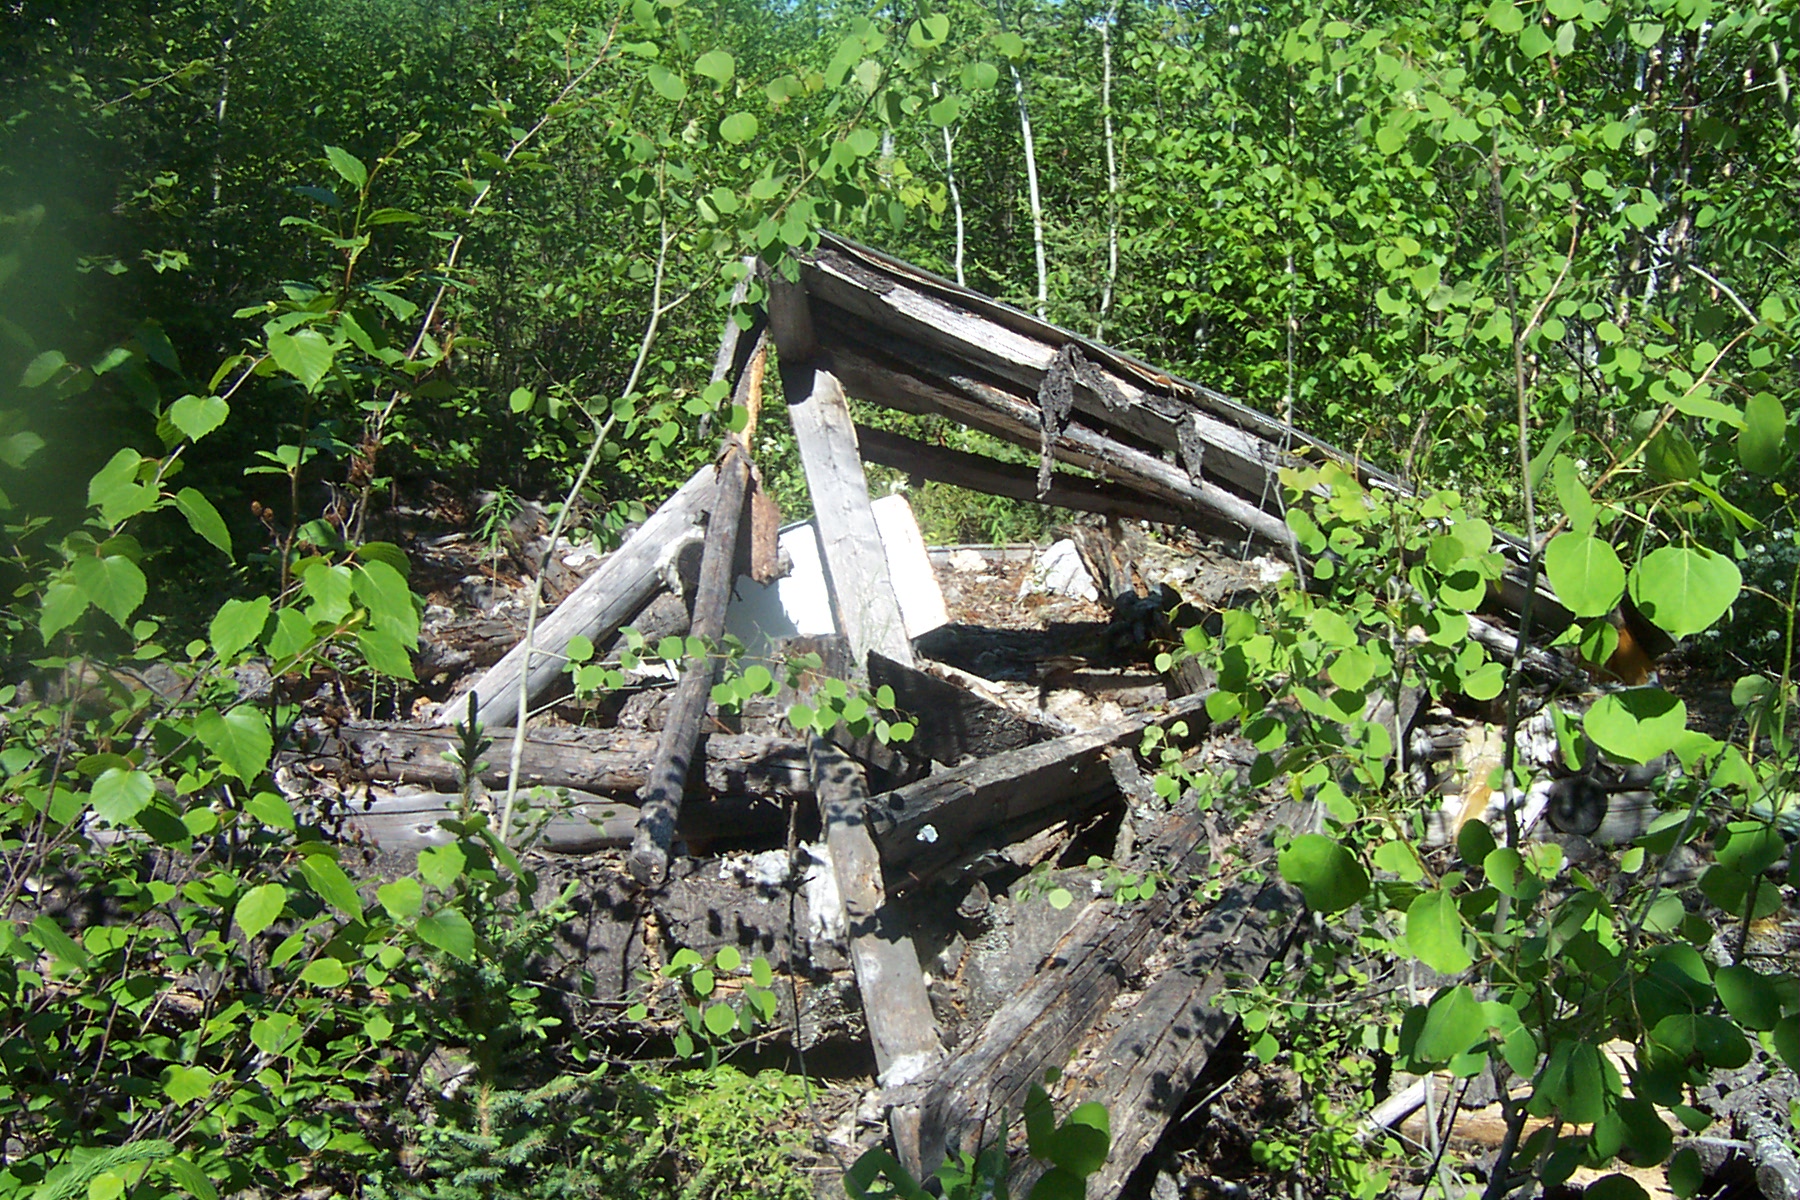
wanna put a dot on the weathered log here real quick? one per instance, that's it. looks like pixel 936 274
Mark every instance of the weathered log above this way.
pixel 661 797
pixel 902 1028
pixel 1143 1070
pixel 862 592
pixel 617 590
pixel 995 478
pixel 985 1082
pixel 926 825
pixel 569 822
pixel 606 761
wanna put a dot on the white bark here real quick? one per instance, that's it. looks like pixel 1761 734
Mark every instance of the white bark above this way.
pixel 1112 171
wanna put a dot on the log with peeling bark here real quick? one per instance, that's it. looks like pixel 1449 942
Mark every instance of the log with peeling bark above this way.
pixel 605 761
pixel 925 826
pixel 661 797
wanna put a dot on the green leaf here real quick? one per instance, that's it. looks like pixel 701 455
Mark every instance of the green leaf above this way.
pixel 402 898
pixel 450 932
pixel 42 369
pixel 240 738
pixel 184 1084
pixel 197 416
pixel 521 400
pixel 305 355
pixel 1081 1143
pixel 1454 1024
pixel 1573 495
pixel 1434 932
pixel 1327 874
pixel 54 942
pixel 236 625
pixel 390 602
pixel 1058 1183
pixel 325 973
pixel 271 810
pixel 329 882
pixel 113 584
pixel 204 518
pixel 1575 1082
pixel 349 166
pixel 738 128
pixel 719 1019
pixel 716 65
pixel 190 1178
pixel 1684 590
pixel 441 866
pixel 115 489
pixel 1615 1187
pixel 1761 444
pixel 257 909
pixel 980 76
pixel 63 603
pixel 1534 42
pixel 1505 17
pixel 16 449
pixel 119 795
pixel 1637 725
pixel 1787 1043
pixel 1750 996
pixel 668 84
pixel 1586 573
pixel 384 654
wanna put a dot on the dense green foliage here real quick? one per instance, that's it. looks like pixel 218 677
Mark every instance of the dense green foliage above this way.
pixel 270 269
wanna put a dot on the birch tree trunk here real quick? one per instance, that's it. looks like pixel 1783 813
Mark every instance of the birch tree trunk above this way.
pixel 1112 171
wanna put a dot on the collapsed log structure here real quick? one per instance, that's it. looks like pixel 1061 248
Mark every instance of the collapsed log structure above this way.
pixel 1121 997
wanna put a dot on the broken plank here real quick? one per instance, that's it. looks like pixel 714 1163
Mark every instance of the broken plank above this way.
pixel 928 824
pixel 971 1099
pixel 619 588
pixel 981 474
pixel 862 591
pixel 902 1028
pixel 951 723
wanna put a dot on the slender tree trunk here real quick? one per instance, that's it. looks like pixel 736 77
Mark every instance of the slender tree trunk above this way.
pixel 1112 171
pixel 956 207
pixel 1031 185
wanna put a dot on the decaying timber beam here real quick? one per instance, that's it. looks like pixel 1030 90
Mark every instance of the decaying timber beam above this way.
pixel 611 761
pixel 1143 1070
pixel 626 581
pixel 995 478
pixel 926 825
pixel 661 797
pixel 984 1084
pixel 902 1028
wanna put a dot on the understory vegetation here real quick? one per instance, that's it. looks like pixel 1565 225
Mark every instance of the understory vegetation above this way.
pixel 271 272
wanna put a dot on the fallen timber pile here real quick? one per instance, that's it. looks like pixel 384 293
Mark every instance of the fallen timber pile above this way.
pixel 899 896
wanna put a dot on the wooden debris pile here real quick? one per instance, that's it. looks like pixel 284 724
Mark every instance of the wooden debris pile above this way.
pixel 900 887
